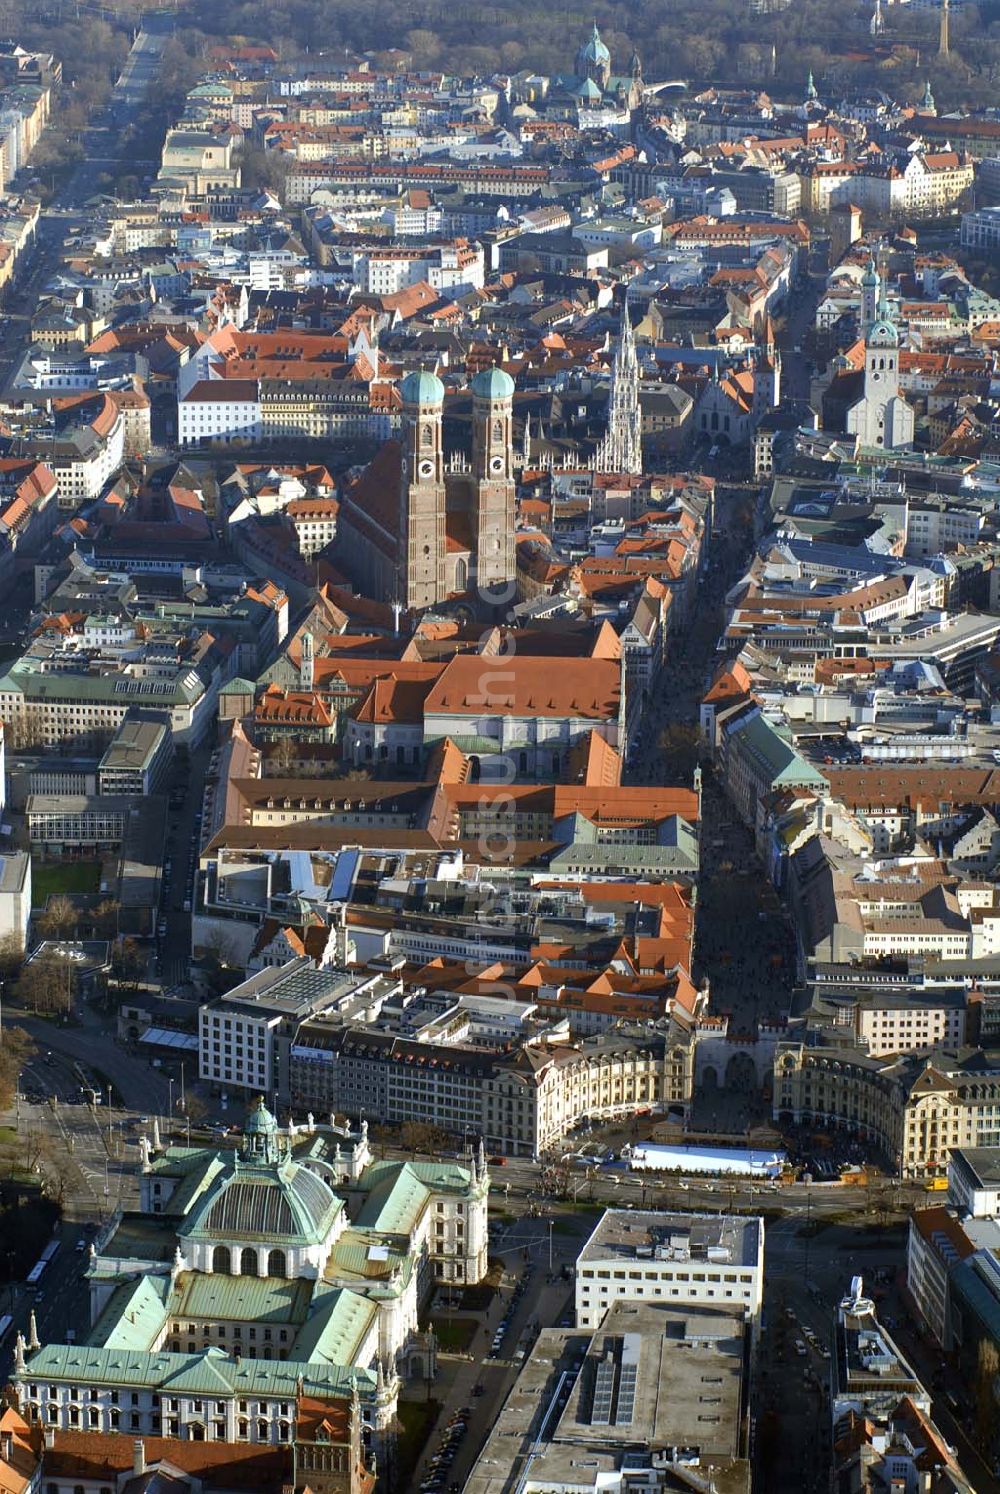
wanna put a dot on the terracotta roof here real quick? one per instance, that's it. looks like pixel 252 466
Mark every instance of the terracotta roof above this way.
pixel 393 700
pixel 527 686
pixel 100 1456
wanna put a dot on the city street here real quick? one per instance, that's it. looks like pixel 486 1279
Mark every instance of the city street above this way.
pixel 67 212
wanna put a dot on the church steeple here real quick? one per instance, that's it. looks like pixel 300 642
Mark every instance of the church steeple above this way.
pixel 927 104
pixel 494 500
pixel 871 296
pixel 621 449
pixel 811 94
pixel 422 496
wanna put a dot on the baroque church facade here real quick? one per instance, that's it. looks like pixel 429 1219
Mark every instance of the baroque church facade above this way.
pixel 420 526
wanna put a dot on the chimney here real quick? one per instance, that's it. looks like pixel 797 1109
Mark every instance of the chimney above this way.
pixel 50 1437
pixel 138 1458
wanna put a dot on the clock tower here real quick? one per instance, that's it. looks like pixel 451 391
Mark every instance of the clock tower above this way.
pixel 422 553
pixel 494 509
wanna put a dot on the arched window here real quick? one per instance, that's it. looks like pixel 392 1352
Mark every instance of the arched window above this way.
pixel 243 1429
pixel 461 575
pixel 222 1260
pixel 263 1433
pixel 248 1262
pixel 276 1263
pixel 426 436
pixel 497 430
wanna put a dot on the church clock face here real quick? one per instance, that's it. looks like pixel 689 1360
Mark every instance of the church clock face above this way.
pixel 496 464
pixel 426 469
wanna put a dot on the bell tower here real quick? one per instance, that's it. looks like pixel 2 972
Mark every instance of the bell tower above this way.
pixel 494 507
pixel 421 555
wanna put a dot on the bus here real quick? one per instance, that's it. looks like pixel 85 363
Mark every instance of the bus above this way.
pixel 38 1270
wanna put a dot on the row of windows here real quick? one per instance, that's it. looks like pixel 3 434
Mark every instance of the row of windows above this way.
pixel 249 1261
pixel 589 1273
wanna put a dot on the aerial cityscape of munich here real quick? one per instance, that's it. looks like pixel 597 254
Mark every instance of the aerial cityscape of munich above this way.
pixel 500 747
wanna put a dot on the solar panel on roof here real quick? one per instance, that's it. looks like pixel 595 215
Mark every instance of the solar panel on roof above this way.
pixel 626 1395
pixel 604 1384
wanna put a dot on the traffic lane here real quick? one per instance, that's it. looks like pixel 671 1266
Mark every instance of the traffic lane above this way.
pixel 136 1081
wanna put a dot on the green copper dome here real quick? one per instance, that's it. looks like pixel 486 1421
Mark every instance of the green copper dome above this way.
pixel 285 1204
pixel 594 51
pixel 493 383
pixel 422 388
pixel 260 1121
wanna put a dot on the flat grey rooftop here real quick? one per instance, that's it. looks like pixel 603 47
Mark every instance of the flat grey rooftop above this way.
pixel 653 1379
pixel 621 1234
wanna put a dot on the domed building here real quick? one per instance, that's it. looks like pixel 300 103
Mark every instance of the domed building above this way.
pixel 265 1214
pixel 246 1303
pixel 593 60
pixel 418 528
pixel 593 87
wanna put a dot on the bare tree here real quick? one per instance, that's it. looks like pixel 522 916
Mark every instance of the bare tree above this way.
pixel 60 918
pixel 47 984
pixel 418 1136
pixel 11 955
pixel 283 753
pixel 105 917
pixel 15 1050
pixel 127 963
pixel 59 1175
pixel 195 1108
pixel 987 1367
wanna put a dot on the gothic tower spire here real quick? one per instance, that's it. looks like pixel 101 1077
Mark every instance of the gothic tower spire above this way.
pixel 621 449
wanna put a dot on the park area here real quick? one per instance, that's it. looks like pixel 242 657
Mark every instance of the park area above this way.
pixel 50 878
